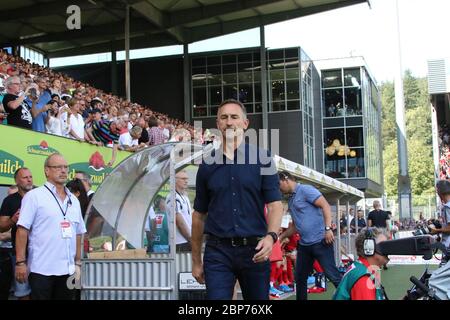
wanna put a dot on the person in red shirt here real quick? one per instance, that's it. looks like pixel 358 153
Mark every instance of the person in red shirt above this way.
pixel 362 280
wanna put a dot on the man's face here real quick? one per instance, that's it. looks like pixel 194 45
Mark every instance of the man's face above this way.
pixel 24 180
pixel 360 214
pixel 231 120
pixel 284 186
pixel 42 84
pixel 82 105
pixel 181 180
pixel 97 116
pixel 57 170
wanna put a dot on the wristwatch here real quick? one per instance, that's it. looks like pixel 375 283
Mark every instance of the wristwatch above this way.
pixel 327 228
pixel 273 235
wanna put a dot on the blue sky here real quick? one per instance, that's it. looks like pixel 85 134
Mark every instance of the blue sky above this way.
pixel 357 30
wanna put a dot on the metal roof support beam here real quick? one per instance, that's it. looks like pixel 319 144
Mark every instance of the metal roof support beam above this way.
pixel 127 54
pixel 194 14
pixel 214 30
pixel 105 30
pixel 158 18
pixel 157 40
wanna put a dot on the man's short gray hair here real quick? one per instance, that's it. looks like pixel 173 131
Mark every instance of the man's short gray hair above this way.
pixel 47 161
pixel 233 101
pixel 9 81
pixel 136 131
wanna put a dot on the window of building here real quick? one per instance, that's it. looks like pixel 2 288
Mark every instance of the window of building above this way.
pixel 332 78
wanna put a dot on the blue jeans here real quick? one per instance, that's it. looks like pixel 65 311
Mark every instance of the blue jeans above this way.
pixel 306 255
pixel 223 264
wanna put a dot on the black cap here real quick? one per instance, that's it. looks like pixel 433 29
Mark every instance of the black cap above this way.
pixel 95 111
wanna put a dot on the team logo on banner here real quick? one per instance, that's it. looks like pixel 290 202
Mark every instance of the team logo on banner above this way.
pixel 96 168
pixel 9 164
pixel 42 149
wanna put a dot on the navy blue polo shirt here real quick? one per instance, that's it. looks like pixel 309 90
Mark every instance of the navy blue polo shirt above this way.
pixel 233 192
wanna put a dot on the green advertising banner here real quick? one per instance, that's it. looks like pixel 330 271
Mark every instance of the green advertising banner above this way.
pixel 26 148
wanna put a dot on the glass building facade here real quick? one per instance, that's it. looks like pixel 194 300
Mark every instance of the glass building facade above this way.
pixel 237 75
pixel 351 124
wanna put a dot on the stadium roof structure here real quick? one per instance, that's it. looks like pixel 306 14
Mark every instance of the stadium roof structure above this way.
pixel 41 24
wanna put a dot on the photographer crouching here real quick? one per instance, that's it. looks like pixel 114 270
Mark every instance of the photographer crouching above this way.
pixel 362 279
pixel 443 190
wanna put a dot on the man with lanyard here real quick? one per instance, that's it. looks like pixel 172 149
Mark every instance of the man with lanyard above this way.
pixel 9 214
pixel 443 190
pixel 51 224
pixel 183 217
pixel 362 279
pixel 311 215
pixel 231 191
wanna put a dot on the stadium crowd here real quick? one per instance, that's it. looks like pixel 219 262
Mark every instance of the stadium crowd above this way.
pixel 38 98
pixel 444 153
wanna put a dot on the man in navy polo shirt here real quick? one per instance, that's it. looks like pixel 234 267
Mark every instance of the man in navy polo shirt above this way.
pixel 231 192
pixel 311 215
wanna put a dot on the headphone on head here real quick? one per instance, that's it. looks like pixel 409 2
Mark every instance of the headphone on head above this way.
pixel 369 243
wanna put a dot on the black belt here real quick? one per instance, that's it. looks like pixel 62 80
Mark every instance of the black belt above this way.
pixel 6 250
pixel 235 241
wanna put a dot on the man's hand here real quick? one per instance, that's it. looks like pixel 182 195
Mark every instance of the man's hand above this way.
pixel 15 216
pixel 264 249
pixel 22 273
pixel 329 237
pixel 198 273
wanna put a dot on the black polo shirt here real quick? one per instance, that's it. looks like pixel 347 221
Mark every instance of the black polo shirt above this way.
pixel 379 218
pixel 233 192
pixel 10 206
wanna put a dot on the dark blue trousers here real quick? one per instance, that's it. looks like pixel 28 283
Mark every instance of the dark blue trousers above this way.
pixel 223 264
pixel 306 255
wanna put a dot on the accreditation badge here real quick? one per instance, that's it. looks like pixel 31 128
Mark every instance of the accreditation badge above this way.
pixel 66 229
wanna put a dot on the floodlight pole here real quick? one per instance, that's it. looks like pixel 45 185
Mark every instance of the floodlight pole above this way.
pixel 264 105
pixel 404 181
pixel 127 53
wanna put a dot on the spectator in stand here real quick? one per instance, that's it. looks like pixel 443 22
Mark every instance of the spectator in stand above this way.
pixel 72 121
pixel 128 141
pixel 41 104
pixel 9 214
pixel 56 87
pixel 107 132
pixel 165 132
pixel 144 135
pixel 51 223
pixel 155 133
pixel 53 122
pixel 18 110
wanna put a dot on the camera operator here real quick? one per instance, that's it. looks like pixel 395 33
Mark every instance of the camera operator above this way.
pixel 443 190
pixel 362 279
